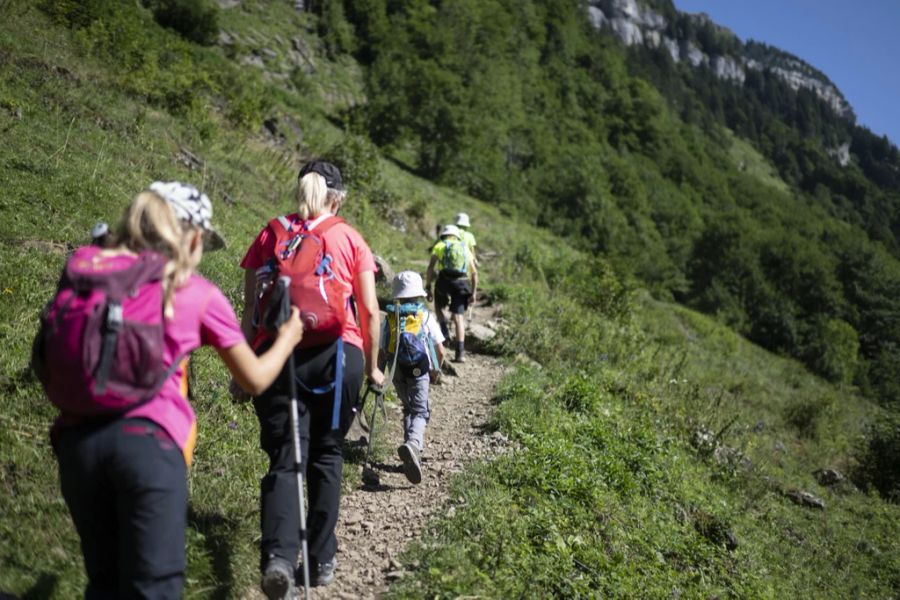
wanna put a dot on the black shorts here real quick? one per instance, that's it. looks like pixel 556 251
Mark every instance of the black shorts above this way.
pixel 452 292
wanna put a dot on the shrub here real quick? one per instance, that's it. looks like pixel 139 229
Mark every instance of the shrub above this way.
pixel 579 394
pixel 804 415
pixel 878 464
pixel 195 20
pixel 834 351
pixel 76 13
pixel 358 160
pixel 334 29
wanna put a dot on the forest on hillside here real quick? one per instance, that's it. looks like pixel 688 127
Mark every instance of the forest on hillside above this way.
pixel 526 105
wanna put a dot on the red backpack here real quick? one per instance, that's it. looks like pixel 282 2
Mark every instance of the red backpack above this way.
pixel 322 299
pixel 99 349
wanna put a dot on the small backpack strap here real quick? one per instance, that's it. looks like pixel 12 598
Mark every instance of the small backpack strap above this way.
pixel 338 385
pixel 111 326
pixel 284 222
pixel 432 352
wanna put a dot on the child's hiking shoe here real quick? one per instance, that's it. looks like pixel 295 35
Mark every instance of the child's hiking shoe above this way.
pixel 278 580
pixel 410 457
pixel 323 574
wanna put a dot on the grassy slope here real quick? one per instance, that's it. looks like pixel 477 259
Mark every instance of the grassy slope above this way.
pixel 82 148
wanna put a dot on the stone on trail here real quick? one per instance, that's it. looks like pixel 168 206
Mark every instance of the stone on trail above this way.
pixel 478 337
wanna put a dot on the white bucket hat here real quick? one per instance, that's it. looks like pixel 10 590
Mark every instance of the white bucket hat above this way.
pixel 408 284
pixel 192 206
pixel 462 220
pixel 450 230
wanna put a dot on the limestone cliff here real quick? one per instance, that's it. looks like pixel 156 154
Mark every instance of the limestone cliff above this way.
pixel 695 39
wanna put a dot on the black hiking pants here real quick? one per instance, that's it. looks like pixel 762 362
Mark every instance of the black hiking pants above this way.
pixel 125 483
pixel 321 451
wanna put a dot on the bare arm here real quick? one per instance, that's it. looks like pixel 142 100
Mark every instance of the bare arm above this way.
pixel 429 274
pixel 369 323
pixel 256 373
pixel 474 279
pixel 439 349
pixel 249 303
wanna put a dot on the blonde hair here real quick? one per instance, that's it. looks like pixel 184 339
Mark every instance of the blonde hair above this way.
pixel 314 196
pixel 149 223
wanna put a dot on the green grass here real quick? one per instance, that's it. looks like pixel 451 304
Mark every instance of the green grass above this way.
pixel 749 160
pixel 606 498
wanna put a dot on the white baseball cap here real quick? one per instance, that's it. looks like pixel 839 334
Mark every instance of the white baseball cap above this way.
pixel 450 230
pixel 462 219
pixel 408 284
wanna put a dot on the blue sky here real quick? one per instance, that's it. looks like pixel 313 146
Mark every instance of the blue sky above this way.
pixel 856 43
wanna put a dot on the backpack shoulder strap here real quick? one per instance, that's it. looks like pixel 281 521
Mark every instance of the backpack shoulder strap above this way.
pixel 281 226
pixel 281 220
pixel 326 224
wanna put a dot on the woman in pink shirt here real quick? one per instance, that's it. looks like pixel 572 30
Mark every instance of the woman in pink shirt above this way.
pixel 124 479
pixel 326 402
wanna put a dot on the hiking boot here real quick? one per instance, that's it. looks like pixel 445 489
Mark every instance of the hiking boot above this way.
pixel 278 580
pixel 410 457
pixel 460 353
pixel 323 573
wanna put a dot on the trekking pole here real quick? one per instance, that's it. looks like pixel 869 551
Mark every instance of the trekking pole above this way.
pixel 369 476
pixel 284 313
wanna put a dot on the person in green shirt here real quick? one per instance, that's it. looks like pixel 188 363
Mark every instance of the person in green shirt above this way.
pixel 457 282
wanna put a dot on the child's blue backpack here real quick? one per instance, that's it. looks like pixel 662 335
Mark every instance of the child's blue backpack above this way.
pixel 408 339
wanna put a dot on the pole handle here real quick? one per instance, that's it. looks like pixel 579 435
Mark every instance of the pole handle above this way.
pixel 279 306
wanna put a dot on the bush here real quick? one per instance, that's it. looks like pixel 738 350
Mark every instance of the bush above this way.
pixel 834 350
pixel 878 464
pixel 76 13
pixel 804 415
pixel 579 394
pixel 358 160
pixel 195 20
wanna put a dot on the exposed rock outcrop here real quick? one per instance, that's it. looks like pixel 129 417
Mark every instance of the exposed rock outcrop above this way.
pixel 635 24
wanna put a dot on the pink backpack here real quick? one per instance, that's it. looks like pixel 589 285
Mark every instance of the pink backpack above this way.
pixel 99 349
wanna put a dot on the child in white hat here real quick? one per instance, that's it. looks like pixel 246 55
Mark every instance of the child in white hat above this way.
pixel 412 344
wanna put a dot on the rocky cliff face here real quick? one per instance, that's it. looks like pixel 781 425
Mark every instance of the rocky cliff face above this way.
pixel 636 24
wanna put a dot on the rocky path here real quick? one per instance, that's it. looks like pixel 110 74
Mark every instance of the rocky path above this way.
pixel 378 522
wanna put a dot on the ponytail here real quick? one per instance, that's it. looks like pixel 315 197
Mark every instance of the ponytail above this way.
pixel 312 195
pixel 149 223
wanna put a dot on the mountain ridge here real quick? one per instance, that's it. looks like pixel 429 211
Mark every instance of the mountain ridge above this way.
pixel 694 38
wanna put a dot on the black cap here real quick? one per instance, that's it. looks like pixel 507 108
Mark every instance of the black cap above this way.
pixel 327 170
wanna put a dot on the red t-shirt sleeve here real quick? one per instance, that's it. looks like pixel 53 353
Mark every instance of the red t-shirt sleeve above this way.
pixel 365 260
pixel 262 248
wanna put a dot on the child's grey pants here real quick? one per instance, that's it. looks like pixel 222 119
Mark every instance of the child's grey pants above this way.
pixel 413 392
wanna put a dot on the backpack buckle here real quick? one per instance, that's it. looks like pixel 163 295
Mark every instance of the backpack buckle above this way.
pixel 114 318
pixel 291 246
pixel 324 266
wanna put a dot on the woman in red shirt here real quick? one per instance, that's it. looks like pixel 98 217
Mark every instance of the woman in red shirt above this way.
pixel 324 417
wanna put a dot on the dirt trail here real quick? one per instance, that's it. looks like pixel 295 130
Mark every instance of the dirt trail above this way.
pixel 377 523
